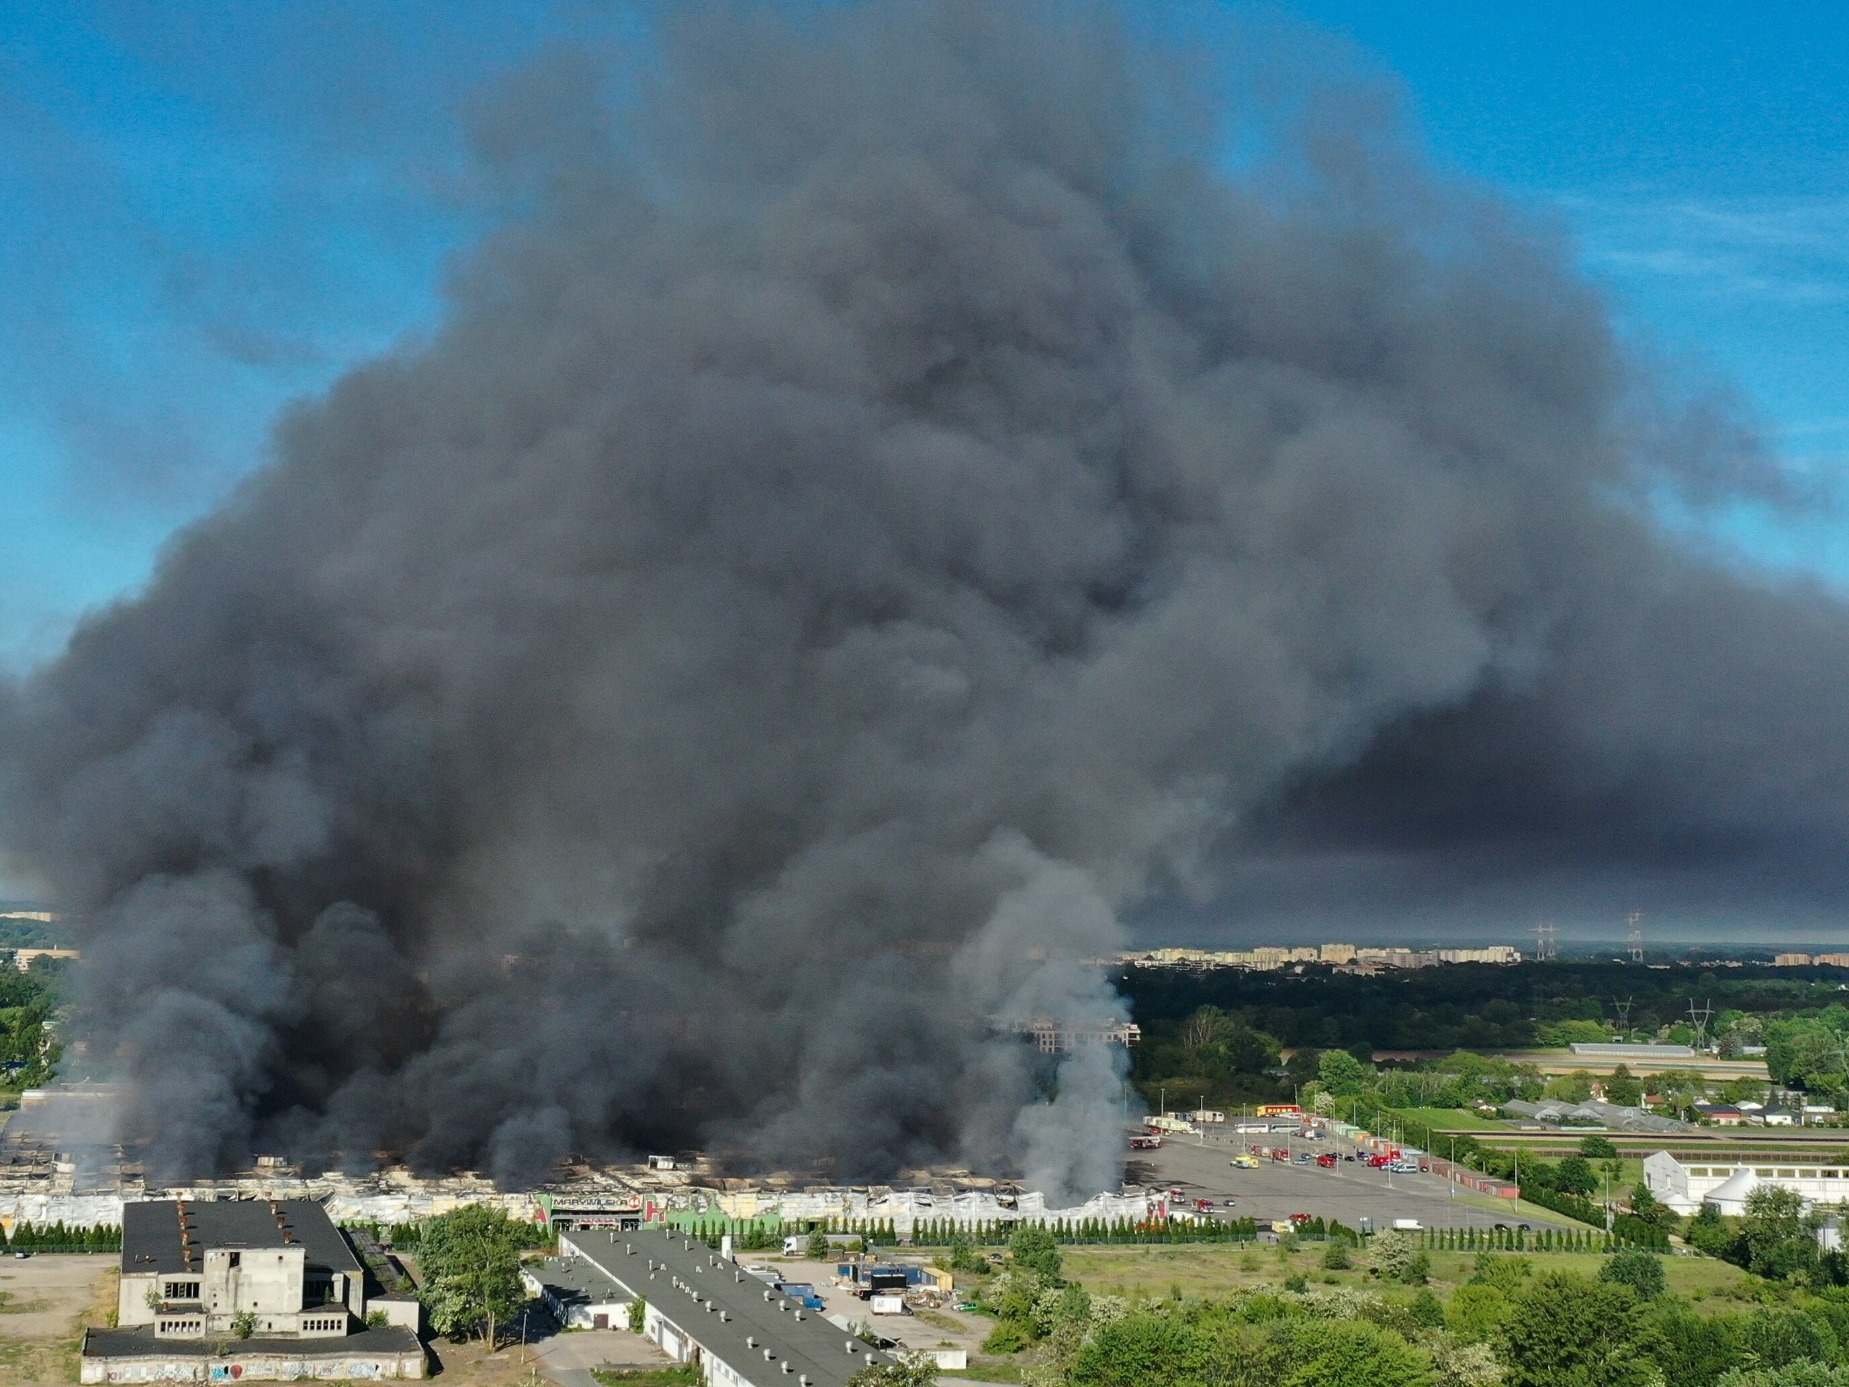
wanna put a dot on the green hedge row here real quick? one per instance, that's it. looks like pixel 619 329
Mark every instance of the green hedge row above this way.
pixel 62 1237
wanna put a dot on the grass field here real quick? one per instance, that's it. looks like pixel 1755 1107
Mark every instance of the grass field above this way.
pixel 1209 1270
pixel 1455 1120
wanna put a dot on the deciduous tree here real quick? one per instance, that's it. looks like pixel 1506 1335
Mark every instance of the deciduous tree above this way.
pixel 1568 1331
pixel 470 1259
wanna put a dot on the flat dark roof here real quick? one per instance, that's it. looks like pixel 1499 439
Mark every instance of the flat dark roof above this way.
pixel 139 1343
pixel 154 1241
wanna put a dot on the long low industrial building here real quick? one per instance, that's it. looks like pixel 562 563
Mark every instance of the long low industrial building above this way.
pixel 704 1309
pixel 1726 1184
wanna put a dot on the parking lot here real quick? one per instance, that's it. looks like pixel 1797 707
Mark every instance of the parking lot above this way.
pixel 1200 1166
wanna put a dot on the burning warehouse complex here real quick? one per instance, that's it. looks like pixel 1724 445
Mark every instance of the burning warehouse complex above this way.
pixel 47 1177
pixel 864 524
pixel 59 1163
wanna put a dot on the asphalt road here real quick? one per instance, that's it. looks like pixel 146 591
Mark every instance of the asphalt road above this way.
pixel 1201 1168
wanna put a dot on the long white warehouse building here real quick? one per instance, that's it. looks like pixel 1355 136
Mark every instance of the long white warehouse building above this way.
pixel 1726 1184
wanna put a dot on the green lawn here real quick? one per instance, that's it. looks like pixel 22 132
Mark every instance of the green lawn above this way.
pixel 1455 1120
pixel 1216 1269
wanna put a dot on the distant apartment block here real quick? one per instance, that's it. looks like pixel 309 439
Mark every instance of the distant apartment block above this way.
pixel 1810 960
pixel 1054 1037
pixel 1364 958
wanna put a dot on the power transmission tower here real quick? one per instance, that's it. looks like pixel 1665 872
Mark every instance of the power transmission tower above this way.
pixel 1698 1018
pixel 1636 940
pixel 1546 942
pixel 1624 1013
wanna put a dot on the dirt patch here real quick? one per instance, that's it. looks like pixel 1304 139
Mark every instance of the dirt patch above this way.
pixel 49 1298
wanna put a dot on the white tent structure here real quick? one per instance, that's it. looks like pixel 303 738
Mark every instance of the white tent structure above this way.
pixel 1729 1197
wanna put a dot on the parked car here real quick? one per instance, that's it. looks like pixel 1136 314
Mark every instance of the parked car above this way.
pixel 1327 1161
pixel 1230 1202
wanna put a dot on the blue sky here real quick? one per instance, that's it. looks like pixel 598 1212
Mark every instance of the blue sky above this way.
pixel 212 208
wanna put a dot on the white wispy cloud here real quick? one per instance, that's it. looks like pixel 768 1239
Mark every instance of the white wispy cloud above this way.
pixel 1768 249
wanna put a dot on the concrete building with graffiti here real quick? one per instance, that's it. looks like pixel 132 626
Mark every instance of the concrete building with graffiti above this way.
pixel 247 1290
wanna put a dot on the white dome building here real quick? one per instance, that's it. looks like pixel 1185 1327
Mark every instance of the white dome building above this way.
pixel 1729 1197
pixel 1685 1188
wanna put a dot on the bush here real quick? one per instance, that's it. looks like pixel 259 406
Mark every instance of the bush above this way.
pixel 910 1370
pixel 1032 1246
pixel 1641 1271
pixel 1335 1257
pixel 1708 1232
pixel 1476 1311
pixel 1797 1375
pixel 1008 1336
pixel 1393 1255
pixel 1426 1312
pixel 1780 1338
pixel 1568 1331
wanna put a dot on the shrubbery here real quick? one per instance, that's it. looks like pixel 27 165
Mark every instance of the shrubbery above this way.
pixel 1641 1271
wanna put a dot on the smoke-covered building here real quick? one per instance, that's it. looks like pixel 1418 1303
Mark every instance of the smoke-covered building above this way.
pixel 269 1287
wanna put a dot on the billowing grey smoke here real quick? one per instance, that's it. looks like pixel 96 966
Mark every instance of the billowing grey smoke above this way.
pixel 871 523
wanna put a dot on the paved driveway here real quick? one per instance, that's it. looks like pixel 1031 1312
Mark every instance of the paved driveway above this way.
pixel 567 1358
pixel 1202 1167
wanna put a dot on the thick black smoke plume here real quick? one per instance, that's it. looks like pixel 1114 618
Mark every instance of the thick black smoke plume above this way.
pixel 874 519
